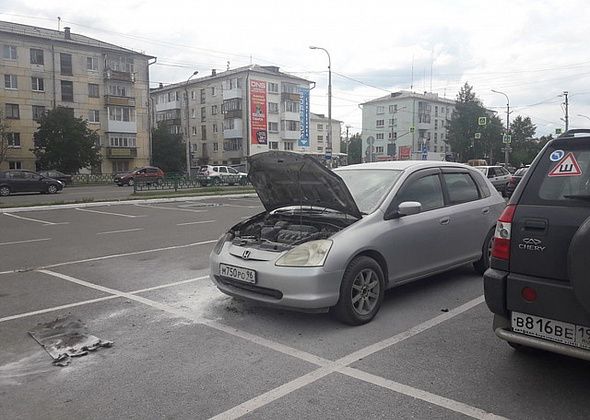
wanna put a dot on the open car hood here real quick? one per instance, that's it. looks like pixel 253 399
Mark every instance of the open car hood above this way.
pixel 284 179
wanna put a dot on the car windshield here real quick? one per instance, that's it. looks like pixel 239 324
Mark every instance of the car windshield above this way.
pixel 369 186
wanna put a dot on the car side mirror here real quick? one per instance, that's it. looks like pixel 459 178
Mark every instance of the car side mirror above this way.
pixel 407 208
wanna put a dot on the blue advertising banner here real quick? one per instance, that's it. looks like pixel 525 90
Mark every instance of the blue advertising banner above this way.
pixel 304 117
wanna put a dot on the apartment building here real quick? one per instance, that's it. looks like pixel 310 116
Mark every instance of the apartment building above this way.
pixel 230 115
pixel 319 126
pixel 105 84
pixel 406 125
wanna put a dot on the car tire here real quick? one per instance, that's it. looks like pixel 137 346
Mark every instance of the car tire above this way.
pixel 159 181
pixel 216 181
pixel 483 263
pixel 243 181
pixel 4 191
pixel 52 189
pixel 361 292
pixel 131 182
pixel 577 264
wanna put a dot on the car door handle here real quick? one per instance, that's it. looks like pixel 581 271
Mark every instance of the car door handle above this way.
pixel 535 225
pixel 485 211
pixel 444 220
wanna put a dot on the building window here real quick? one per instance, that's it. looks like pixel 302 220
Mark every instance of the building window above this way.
pixel 214 128
pixel 288 125
pixel 193 113
pixel 379 136
pixel 37 84
pixel 273 108
pixel 194 130
pixel 203 114
pixel 192 95
pixel 436 124
pixel 203 132
pixel 291 106
pixel 93 90
pixel 289 145
pixel 67 91
pixel 380 123
pixel 436 111
pixel 122 141
pixel 392 109
pixel 273 127
pixel 273 145
pixel 320 139
pixel 11 111
pixel 320 126
pixel 10 81
pixel 9 52
pixel 65 64
pixel 289 88
pixel 320 148
pixel 203 97
pixel 120 63
pixel 231 105
pixel 118 90
pixel 232 144
pixel 15 164
pixel 228 124
pixel 380 109
pixel 92 63
pixel 13 140
pixel 37 56
pixel 212 90
pixel 121 113
pixel 38 112
pixel 273 88
pixel 379 149
pixel 94 116
pixel 214 109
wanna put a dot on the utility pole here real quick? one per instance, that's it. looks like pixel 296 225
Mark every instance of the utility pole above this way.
pixel 567 123
pixel 507 145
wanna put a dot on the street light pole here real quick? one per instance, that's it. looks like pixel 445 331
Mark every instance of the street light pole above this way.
pixel 329 138
pixel 507 145
pixel 188 142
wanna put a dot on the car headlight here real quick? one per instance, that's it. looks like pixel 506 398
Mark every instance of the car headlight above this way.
pixel 61 182
pixel 223 239
pixel 309 254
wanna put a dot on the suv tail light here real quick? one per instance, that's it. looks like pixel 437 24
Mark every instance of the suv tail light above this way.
pixel 501 246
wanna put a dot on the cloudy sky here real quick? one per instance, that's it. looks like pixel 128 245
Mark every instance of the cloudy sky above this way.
pixel 531 50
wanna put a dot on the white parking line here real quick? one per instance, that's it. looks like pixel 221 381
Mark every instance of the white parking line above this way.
pixel 196 223
pixel 106 257
pixel 119 231
pixel 240 206
pixel 170 208
pixel 25 242
pixel 110 213
pixel 45 222
pixel 325 367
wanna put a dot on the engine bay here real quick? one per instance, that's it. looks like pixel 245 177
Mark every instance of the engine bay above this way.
pixel 280 232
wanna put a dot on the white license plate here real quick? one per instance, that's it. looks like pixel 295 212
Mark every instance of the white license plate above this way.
pixel 237 273
pixel 549 329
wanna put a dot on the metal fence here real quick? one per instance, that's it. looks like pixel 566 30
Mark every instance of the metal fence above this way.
pixel 185 183
pixel 78 179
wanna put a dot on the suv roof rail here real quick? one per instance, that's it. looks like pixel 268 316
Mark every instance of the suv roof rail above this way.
pixel 574 131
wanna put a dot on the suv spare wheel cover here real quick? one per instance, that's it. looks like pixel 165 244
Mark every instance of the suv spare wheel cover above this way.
pixel 578 256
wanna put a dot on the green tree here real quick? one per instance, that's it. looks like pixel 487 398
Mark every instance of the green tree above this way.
pixel 524 146
pixel 4 127
pixel 65 143
pixel 168 150
pixel 354 149
pixel 464 125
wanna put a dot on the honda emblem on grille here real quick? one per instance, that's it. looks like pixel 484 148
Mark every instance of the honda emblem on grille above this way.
pixel 246 254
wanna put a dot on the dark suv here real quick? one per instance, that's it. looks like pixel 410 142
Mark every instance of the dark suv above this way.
pixel 538 286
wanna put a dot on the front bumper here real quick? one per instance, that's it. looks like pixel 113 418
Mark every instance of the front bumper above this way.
pixel 305 288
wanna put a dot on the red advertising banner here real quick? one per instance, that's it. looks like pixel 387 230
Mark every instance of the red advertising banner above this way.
pixel 405 152
pixel 258 121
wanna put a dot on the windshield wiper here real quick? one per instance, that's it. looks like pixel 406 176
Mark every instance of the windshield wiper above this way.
pixel 578 196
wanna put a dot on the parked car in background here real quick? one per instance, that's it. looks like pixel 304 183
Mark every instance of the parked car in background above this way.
pixel 515 178
pixel 20 181
pixel 538 285
pixel 217 175
pixel 147 175
pixel 337 239
pixel 498 176
pixel 60 176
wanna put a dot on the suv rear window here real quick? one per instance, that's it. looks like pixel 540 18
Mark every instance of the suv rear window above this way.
pixel 561 176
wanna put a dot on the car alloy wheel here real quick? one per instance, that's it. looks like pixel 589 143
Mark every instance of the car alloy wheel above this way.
pixel 130 182
pixel 4 191
pixel 361 292
pixel 483 263
pixel 52 189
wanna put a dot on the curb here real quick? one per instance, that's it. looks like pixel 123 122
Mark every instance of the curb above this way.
pixel 121 202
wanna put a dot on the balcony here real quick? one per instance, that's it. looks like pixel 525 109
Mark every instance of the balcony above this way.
pixel 232 93
pixel 293 116
pixel 122 126
pixel 173 121
pixel 233 133
pixel 234 113
pixel 121 152
pixel 166 106
pixel 119 100
pixel 290 135
pixel 295 97
pixel 119 75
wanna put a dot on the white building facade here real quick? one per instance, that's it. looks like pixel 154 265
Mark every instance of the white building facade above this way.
pixel 406 125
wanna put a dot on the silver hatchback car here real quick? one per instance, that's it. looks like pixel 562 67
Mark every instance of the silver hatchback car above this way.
pixel 338 239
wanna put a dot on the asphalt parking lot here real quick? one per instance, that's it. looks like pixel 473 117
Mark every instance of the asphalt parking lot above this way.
pixel 137 274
